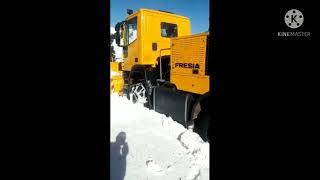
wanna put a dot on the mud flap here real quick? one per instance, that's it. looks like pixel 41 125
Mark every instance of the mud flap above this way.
pixel 174 104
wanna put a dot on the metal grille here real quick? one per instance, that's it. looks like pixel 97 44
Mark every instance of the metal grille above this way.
pixel 190 50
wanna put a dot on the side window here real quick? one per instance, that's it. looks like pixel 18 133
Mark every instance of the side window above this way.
pixel 169 30
pixel 132 28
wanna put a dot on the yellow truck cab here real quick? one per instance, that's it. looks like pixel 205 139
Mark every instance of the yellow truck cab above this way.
pixel 145 32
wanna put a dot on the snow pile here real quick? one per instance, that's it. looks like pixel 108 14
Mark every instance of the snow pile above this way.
pixel 113 73
pixel 156 147
pixel 195 146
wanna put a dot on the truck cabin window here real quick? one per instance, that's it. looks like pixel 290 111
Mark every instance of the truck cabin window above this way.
pixel 169 30
pixel 132 28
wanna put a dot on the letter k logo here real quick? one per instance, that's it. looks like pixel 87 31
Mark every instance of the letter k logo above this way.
pixel 293 18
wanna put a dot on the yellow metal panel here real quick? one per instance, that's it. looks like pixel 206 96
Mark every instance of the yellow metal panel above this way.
pixel 117 80
pixel 117 83
pixel 189 49
pixel 189 55
pixel 149 31
pixel 190 83
pixel 115 67
pixel 152 33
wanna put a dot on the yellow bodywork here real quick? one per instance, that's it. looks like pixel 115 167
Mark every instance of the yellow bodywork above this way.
pixel 188 63
pixel 188 53
pixel 149 31
pixel 116 77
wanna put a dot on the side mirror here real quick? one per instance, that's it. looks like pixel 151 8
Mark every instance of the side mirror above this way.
pixel 117 37
pixel 117 27
pixel 120 34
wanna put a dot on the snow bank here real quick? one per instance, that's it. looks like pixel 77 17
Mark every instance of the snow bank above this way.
pixel 158 147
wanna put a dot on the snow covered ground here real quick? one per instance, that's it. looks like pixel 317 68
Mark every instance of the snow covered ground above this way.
pixel 146 145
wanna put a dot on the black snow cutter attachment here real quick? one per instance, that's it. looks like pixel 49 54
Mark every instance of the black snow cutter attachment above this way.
pixel 173 104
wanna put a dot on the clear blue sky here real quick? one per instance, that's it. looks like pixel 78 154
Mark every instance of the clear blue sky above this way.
pixel 196 10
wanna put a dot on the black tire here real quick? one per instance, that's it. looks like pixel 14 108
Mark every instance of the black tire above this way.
pixel 170 86
pixel 202 125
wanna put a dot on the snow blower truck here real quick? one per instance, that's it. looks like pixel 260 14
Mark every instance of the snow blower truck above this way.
pixel 165 67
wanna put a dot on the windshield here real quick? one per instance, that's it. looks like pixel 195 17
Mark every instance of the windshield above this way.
pixel 132 28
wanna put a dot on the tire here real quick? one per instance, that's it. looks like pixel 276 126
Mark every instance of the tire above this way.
pixel 170 86
pixel 148 104
pixel 134 100
pixel 202 125
pixel 129 92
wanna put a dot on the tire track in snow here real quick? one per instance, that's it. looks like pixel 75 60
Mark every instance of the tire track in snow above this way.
pixel 176 153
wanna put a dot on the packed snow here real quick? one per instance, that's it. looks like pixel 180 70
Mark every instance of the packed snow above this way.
pixel 146 145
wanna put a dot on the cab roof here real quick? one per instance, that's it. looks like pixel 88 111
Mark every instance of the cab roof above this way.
pixel 156 11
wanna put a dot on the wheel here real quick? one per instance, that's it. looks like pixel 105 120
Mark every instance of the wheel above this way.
pixel 137 93
pixel 202 125
pixel 170 86
pixel 130 96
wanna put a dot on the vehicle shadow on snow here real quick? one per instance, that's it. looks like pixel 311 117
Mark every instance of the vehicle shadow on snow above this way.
pixel 118 157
